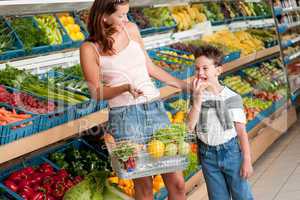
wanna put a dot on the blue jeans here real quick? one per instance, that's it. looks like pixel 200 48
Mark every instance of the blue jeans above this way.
pixel 137 122
pixel 221 169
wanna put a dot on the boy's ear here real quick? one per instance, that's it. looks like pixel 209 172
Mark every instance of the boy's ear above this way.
pixel 220 70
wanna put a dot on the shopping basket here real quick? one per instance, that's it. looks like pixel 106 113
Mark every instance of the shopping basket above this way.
pixel 165 151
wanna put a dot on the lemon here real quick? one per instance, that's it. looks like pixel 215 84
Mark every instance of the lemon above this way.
pixel 63 20
pixel 156 148
pixel 80 36
pixel 70 20
pixel 74 36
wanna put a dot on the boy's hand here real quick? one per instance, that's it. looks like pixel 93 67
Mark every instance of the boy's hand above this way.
pixel 246 169
pixel 198 87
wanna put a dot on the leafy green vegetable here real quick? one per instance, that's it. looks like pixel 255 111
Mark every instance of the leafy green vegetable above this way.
pixel 79 162
pixel 91 188
pixel 30 35
pixel 173 133
pixel 110 192
pixel 193 164
pixel 124 150
pixel 72 71
pixel 7 39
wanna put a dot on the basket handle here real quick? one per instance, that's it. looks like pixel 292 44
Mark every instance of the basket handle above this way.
pixel 109 142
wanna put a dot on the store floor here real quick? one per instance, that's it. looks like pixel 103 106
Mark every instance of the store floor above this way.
pixel 277 172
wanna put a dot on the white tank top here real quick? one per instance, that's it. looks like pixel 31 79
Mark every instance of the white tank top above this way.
pixel 128 67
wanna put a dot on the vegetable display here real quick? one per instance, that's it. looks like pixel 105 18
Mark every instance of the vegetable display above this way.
pixel 7 116
pixel 30 35
pixel 41 183
pixel 28 82
pixel 26 101
pixel 7 38
pixel 78 161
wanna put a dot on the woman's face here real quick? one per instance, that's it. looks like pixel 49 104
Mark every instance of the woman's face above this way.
pixel 119 18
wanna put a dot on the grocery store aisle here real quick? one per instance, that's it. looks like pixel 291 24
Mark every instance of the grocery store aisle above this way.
pixel 277 172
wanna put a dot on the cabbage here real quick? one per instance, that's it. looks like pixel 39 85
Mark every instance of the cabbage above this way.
pixel 91 188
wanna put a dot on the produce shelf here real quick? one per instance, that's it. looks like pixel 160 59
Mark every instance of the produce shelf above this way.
pixel 26 7
pixel 250 58
pixel 290 42
pixel 286 26
pixel 291 9
pixel 290 58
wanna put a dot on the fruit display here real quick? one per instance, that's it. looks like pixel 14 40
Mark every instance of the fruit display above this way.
pixel 213 11
pixel 267 77
pixel 71 27
pixel 172 66
pixel 184 47
pixel 237 41
pixel 26 102
pixel 49 26
pixel 23 80
pixel 237 84
pixel 267 96
pixel 127 185
pixel 11 116
pixel 159 17
pixel 182 55
pixel 181 105
pixel 152 17
pixel 253 106
pixel 173 57
pixel 187 16
pixel 29 34
pixel 268 36
pixel 7 39
pixel 140 19
pixel 79 162
pixel 41 182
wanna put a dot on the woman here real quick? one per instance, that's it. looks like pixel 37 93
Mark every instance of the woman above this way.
pixel 114 55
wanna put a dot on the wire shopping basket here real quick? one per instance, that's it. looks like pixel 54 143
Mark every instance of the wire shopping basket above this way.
pixel 165 151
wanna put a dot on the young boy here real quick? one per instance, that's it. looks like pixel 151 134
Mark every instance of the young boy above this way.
pixel 218 117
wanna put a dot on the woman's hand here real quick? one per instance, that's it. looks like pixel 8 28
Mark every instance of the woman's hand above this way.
pixel 134 91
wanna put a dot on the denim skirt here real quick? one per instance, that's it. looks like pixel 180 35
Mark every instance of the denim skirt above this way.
pixel 137 122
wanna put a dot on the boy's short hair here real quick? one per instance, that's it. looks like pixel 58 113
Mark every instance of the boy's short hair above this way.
pixel 210 52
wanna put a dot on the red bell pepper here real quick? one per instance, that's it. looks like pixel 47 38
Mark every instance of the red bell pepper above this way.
pixel 11 185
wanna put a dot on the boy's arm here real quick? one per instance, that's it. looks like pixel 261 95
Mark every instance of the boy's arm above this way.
pixel 246 169
pixel 193 115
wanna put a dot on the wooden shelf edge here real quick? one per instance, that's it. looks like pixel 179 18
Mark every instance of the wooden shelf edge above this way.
pixel 250 58
pixel 39 140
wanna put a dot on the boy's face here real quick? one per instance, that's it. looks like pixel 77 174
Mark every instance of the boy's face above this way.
pixel 206 70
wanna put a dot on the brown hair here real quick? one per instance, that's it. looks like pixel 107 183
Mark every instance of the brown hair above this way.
pixel 210 52
pixel 101 32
